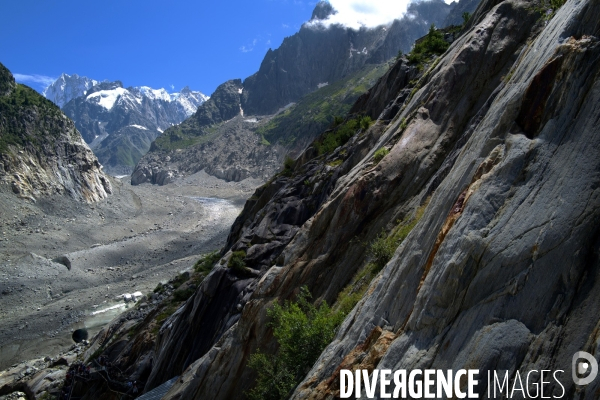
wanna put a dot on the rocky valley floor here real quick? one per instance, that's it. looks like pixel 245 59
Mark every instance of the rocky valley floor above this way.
pixel 138 237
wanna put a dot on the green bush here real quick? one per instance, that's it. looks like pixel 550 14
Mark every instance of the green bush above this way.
pixel 466 16
pixel 339 136
pixel 183 294
pixel 432 44
pixel 237 263
pixel 205 264
pixel 288 166
pixel 382 249
pixel 379 154
pixel 365 122
pixel 302 332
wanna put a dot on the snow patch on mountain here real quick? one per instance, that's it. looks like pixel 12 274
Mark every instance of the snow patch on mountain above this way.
pixel 138 127
pixel 107 98
pixel 155 94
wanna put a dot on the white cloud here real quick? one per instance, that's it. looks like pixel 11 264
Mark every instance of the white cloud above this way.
pixel 250 47
pixel 172 87
pixel 40 80
pixel 365 13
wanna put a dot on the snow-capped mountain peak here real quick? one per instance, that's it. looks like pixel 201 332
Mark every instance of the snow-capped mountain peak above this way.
pixel 67 87
pixel 120 123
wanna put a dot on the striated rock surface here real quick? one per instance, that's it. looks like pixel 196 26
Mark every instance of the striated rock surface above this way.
pixel 41 152
pixel 499 142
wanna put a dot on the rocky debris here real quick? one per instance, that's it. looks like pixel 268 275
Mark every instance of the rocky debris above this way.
pixel 40 377
pixel 152 174
pixel 64 260
pixel 234 154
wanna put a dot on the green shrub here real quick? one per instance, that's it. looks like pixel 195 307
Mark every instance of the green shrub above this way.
pixel 381 250
pixel 339 136
pixel 205 264
pixel 466 16
pixel 180 279
pixel 302 332
pixel 365 122
pixel 237 264
pixel 384 246
pixel 432 44
pixel 288 166
pixel 183 294
pixel 379 154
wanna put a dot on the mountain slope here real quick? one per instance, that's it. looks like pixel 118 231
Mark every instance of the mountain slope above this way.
pixel 492 161
pixel 318 54
pixel 41 152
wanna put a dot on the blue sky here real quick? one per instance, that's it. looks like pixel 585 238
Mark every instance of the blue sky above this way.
pixel 167 44
pixel 155 43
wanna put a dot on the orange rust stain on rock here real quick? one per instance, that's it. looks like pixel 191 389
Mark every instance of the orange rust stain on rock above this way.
pixel 456 212
pixel 364 356
pixel 485 167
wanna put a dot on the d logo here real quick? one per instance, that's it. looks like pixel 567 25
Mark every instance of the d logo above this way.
pixel 579 367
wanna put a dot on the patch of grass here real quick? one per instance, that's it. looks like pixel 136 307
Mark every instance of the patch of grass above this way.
pixel 162 317
pixel 302 331
pixel 330 141
pixel 205 264
pixel 183 294
pixel 384 246
pixel 379 154
pixel 354 291
pixel 433 44
pixel 335 163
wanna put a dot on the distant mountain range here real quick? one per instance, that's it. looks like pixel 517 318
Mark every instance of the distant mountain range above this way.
pixel 120 123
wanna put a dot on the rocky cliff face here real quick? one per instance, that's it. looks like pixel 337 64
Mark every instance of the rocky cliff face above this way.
pixel 41 152
pixel 498 145
pixel 318 54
